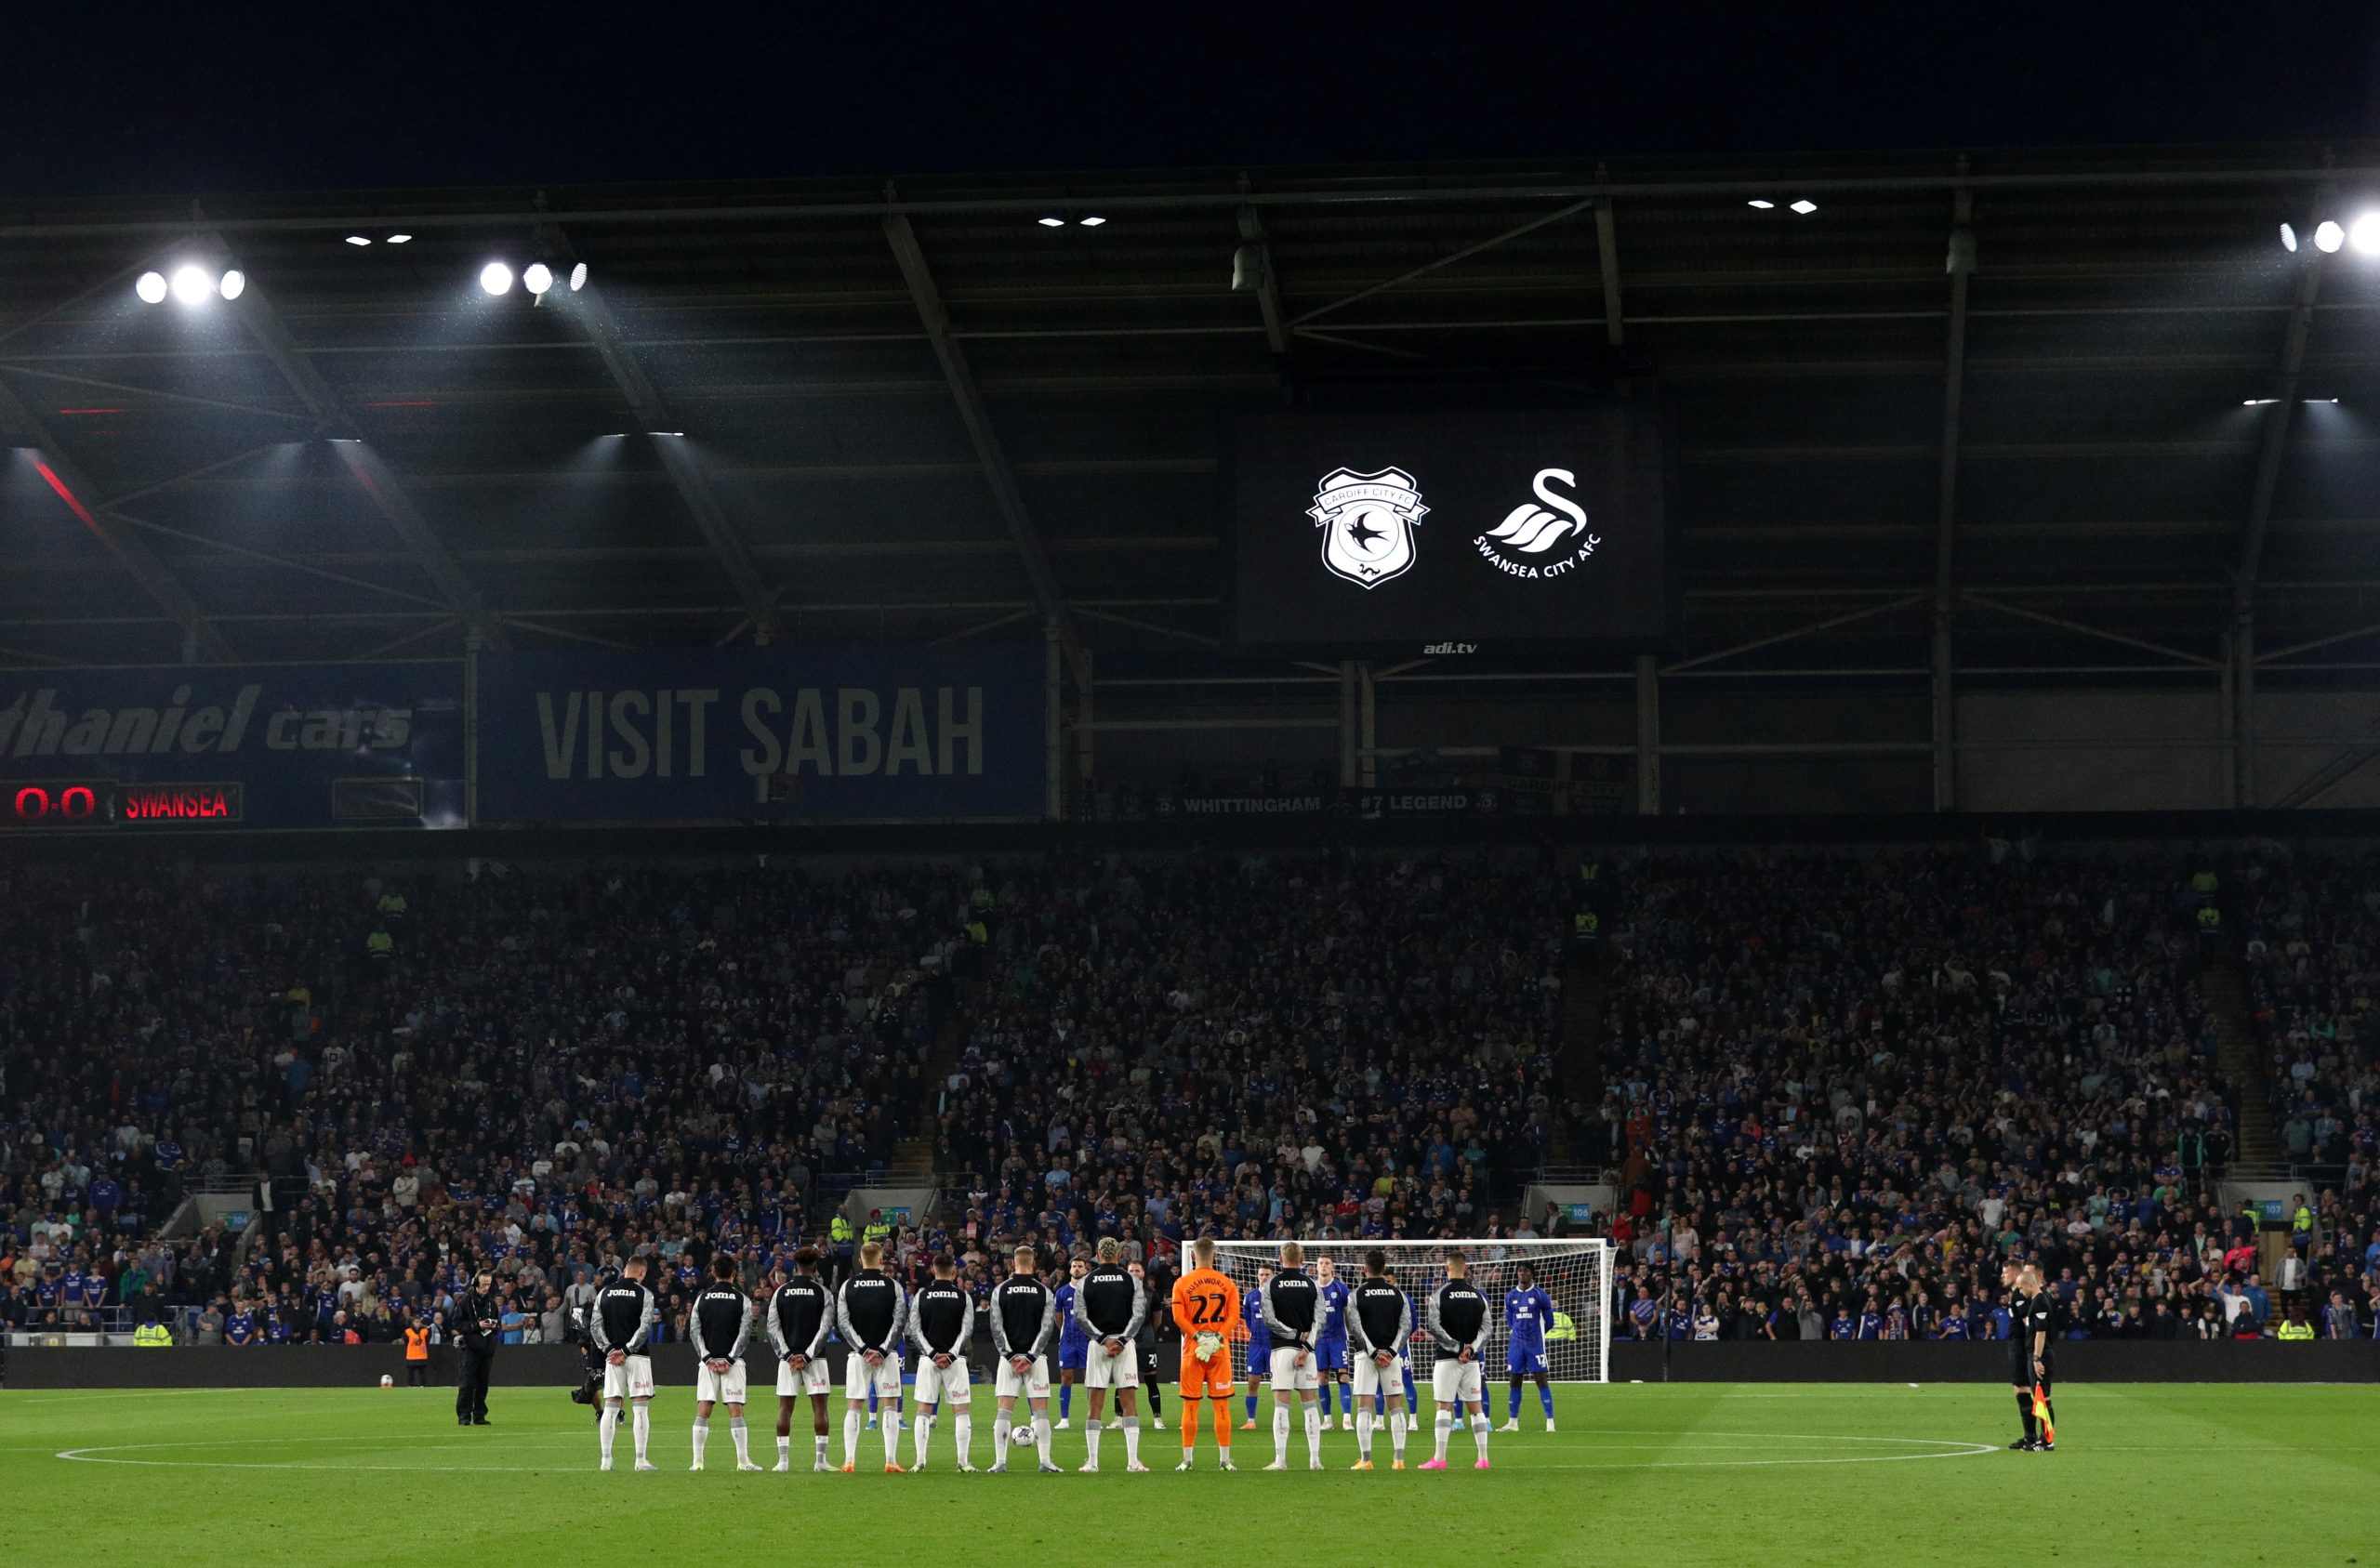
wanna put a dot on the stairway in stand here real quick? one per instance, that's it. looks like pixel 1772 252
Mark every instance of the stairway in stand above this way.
pixel 2241 1062
pixel 1586 991
pixel 916 1159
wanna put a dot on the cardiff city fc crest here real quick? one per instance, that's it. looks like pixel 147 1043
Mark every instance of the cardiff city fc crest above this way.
pixel 1366 523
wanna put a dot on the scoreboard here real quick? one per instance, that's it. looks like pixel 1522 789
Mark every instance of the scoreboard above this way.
pixel 209 748
pixel 95 803
pixel 1477 532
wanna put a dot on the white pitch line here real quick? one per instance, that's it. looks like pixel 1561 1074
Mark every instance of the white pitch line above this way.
pixel 1944 1449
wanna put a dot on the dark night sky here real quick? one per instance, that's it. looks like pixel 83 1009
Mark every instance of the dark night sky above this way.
pixel 537 93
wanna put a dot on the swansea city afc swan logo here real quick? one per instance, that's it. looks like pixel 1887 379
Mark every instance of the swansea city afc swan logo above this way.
pixel 1366 523
pixel 1543 538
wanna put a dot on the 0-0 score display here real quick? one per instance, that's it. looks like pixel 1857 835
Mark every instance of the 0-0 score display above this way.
pixel 97 803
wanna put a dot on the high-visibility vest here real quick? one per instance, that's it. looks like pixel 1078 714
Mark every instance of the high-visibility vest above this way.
pixel 877 1232
pixel 839 1230
pixel 1563 1328
pixel 416 1344
pixel 2294 1331
pixel 153 1334
pixel 380 944
pixel 2302 1220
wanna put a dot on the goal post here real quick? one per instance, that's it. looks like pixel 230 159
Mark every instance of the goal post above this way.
pixel 1575 1273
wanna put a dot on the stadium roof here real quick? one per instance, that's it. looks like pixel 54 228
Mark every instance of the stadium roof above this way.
pixel 921 412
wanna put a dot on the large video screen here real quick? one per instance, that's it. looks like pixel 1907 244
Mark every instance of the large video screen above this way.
pixel 1475 532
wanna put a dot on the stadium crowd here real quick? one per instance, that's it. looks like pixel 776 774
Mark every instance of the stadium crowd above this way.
pixel 1839 1089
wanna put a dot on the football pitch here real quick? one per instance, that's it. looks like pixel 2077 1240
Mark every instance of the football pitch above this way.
pixel 2164 1473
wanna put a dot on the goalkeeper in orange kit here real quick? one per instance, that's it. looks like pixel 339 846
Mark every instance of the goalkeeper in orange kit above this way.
pixel 1206 1308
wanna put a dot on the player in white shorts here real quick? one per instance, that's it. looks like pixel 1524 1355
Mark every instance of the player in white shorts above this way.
pixel 1379 1321
pixel 870 1311
pixel 800 1315
pixel 1458 1325
pixel 619 1321
pixel 1112 1303
pixel 1292 1304
pixel 942 1324
pixel 1024 1319
pixel 719 1323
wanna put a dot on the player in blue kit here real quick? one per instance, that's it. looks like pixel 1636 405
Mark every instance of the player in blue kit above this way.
pixel 1074 1341
pixel 1260 1340
pixel 1330 1341
pixel 1528 1312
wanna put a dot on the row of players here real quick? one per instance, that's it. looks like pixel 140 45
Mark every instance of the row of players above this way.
pixel 872 1313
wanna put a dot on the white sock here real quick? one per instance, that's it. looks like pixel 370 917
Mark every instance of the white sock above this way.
pixel 851 1434
pixel 925 1433
pixel 1446 1431
pixel 1131 1440
pixel 742 1435
pixel 1479 1432
pixel 962 1428
pixel 1090 1435
pixel 820 1439
pixel 784 1451
pixel 607 1428
pixel 1044 1437
pixel 1314 1433
pixel 1397 1434
pixel 1364 1436
pixel 643 1430
pixel 702 1436
pixel 1281 1433
pixel 891 1436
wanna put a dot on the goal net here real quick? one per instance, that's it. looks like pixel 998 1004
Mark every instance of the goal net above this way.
pixel 1576 1273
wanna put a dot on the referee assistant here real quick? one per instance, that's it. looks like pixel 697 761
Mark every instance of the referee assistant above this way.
pixel 2032 1326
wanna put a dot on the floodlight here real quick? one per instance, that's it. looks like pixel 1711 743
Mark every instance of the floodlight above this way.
pixel 578 277
pixel 151 289
pixel 192 286
pixel 359 239
pixel 1092 222
pixel 1762 203
pixel 2257 402
pixel 400 239
pixel 2328 236
pixel 1805 207
pixel 1052 222
pixel 2289 239
pixel 2364 234
pixel 496 278
pixel 235 282
pixel 536 277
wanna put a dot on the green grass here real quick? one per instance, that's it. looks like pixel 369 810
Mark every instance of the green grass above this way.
pixel 1684 1474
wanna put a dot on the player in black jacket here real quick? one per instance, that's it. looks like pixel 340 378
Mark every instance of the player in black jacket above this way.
pixel 720 1323
pixel 1379 1323
pixel 1458 1328
pixel 869 1311
pixel 477 1321
pixel 1111 1305
pixel 1291 1305
pixel 801 1316
pixel 1024 1319
pixel 620 1321
pixel 942 1324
